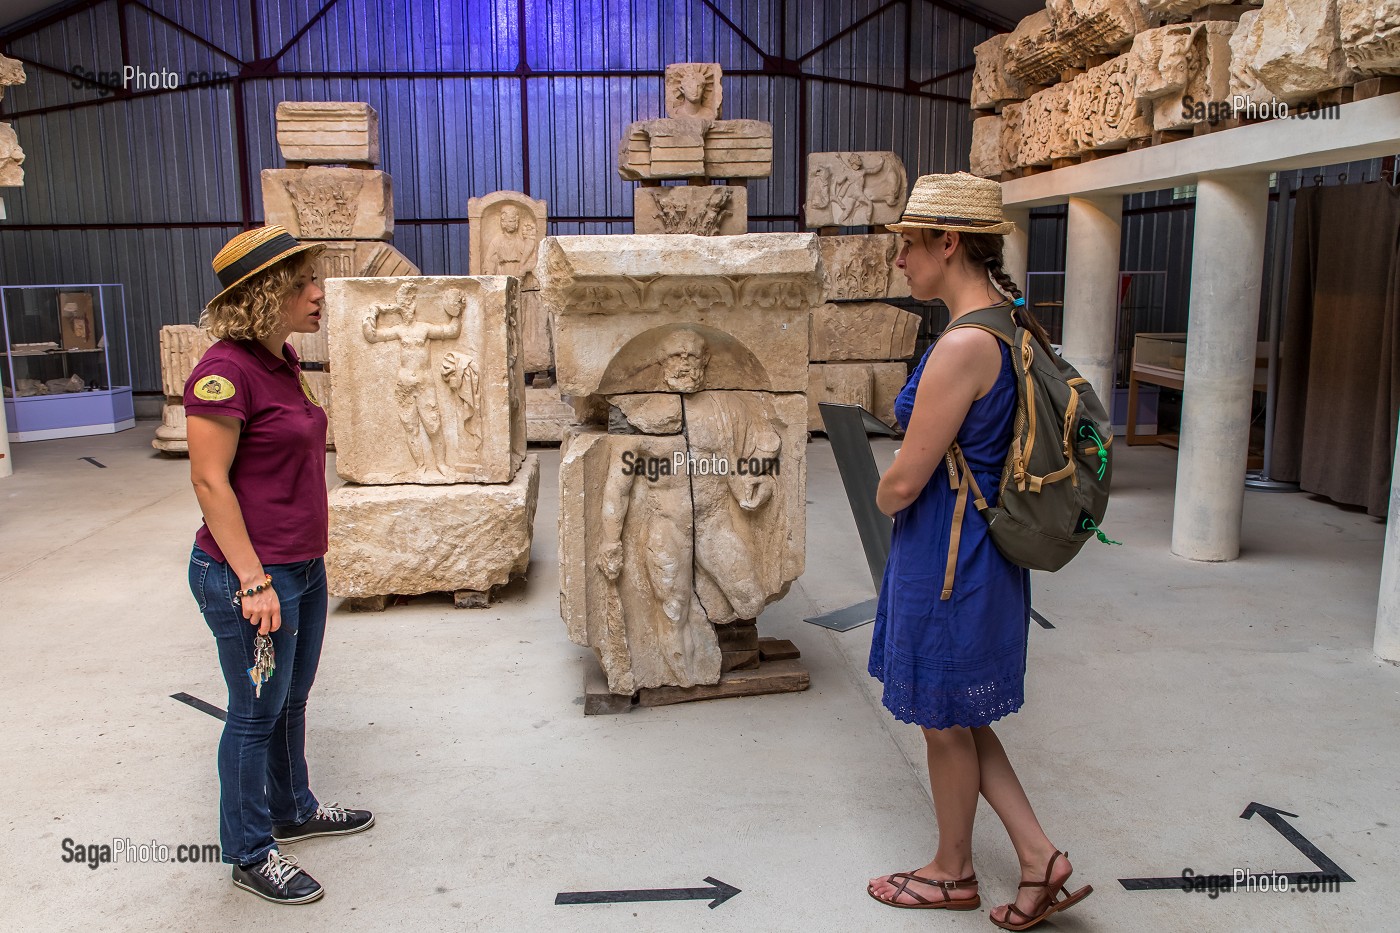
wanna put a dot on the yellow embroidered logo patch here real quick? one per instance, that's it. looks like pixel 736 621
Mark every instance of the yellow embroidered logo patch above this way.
pixel 306 387
pixel 214 389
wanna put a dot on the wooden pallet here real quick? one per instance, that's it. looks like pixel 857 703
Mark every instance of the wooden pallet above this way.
pixel 461 599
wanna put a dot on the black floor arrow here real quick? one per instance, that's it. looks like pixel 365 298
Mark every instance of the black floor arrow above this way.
pixel 1275 818
pixel 200 705
pixel 1041 620
pixel 720 891
pixel 94 462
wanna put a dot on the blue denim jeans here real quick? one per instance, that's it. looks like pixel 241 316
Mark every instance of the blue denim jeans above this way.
pixel 263 776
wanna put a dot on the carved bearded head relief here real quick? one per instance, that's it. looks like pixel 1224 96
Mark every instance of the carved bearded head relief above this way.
pixel 686 356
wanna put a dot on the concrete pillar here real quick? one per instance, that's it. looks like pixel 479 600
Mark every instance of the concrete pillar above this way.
pixel 1227 263
pixel 7 466
pixel 1016 247
pixel 1093 232
pixel 1388 610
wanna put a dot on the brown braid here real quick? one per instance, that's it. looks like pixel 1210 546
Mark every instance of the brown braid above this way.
pixel 986 249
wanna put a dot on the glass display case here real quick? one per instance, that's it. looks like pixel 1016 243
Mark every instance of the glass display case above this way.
pixel 67 366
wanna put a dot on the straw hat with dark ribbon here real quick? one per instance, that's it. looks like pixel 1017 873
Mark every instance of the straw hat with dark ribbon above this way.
pixel 252 251
pixel 959 202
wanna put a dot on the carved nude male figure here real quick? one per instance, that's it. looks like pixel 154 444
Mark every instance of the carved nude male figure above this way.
pixel 414 392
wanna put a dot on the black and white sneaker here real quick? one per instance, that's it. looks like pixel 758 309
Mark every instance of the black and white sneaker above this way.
pixel 328 820
pixel 279 879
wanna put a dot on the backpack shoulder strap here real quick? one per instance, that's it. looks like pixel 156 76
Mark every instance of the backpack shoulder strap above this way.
pixel 995 320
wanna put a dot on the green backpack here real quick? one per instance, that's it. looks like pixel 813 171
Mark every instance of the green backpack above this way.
pixel 1054 487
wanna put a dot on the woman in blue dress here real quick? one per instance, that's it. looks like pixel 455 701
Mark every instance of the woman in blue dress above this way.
pixel 954 665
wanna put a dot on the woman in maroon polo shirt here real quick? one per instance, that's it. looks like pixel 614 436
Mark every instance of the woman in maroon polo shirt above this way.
pixel 257 439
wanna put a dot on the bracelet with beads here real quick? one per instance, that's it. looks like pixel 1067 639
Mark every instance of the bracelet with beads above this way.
pixel 253 590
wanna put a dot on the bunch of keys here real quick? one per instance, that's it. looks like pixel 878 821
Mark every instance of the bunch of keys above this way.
pixel 264 663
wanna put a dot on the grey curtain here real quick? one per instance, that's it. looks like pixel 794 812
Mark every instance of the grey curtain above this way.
pixel 1339 382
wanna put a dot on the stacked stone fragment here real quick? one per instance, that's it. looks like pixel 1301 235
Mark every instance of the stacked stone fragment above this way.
pixel 1087 77
pixel 439 494
pixel 11 155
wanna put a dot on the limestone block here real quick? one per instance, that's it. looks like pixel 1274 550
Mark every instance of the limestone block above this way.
pixel 620 302
pixel 1103 106
pixel 866 330
pixel 991 83
pixel 1171 10
pixel 321 203
pixel 1293 48
pixel 11 158
pixel 536 334
pixel 172 437
pixel 1087 28
pixel 704 210
pixel 342 259
pixel 872 386
pixel 547 415
pixel 1244 83
pixel 854 189
pixel 985 157
pixel 505 230
pixel 693 89
pixel 181 347
pixel 649 412
pixel 1045 126
pixel 1011 120
pixel 1370 34
pixel 861 267
pixel 414 539
pixel 1173 63
pixel 1033 53
pixel 318 384
pixel 739 149
pixel 11 71
pixel 652 557
pixel 328 131
pixel 428 371
pixel 673 147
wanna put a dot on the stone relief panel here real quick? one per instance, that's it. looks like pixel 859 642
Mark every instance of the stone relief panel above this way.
pixel 607 291
pixel 985 158
pixel 853 189
pixel 704 210
pixel 428 371
pixel 861 267
pixel 328 131
pixel 479 535
pixel 1044 122
pixel 1292 48
pixel 321 203
pixel 506 228
pixel 872 386
pixel 1034 55
pixel 866 330
pixel 694 89
pixel 991 83
pixel 1104 109
pixel 1370 34
pixel 1096 27
pixel 11 158
pixel 1176 62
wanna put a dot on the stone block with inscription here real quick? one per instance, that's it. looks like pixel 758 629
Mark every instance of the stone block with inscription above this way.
pixel 615 298
pixel 428 372
pixel 704 210
pixel 331 132
pixel 862 330
pixel 854 189
pixel 506 228
pixel 324 203
pixel 412 539
pixel 872 386
pixel 861 266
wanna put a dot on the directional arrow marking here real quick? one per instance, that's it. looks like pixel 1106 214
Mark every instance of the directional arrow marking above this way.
pixel 1275 818
pixel 1043 622
pixel 720 891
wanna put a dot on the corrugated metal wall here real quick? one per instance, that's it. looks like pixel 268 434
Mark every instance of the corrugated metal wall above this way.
pixel 144 191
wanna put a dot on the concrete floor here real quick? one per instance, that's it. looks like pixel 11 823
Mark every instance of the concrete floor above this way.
pixel 1168 697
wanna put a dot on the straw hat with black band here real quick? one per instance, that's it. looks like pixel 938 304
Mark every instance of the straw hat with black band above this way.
pixel 960 202
pixel 254 251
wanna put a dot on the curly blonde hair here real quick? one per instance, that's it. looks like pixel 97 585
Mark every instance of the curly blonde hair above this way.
pixel 252 310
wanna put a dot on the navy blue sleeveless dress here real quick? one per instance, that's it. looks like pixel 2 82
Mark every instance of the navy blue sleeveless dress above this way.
pixel 959 661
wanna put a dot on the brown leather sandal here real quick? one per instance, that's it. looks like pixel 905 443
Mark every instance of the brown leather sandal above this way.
pixel 1047 904
pixel 904 877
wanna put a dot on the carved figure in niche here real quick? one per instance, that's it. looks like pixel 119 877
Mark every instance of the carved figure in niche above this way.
pixel 693 90
pixel 460 374
pixel 323 209
pixel 416 400
pixel 514 250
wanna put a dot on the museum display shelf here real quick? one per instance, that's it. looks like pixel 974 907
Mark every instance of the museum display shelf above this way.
pixel 67 361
